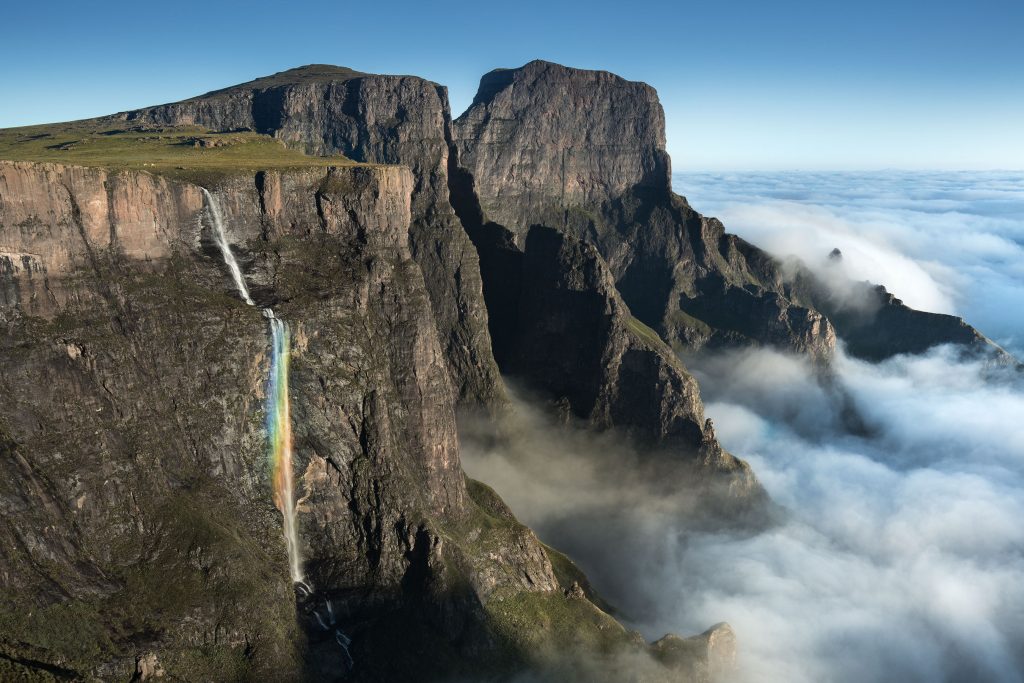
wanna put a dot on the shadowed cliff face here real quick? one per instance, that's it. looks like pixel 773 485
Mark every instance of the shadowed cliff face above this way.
pixel 141 535
pixel 583 151
pixel 577 343
pixel 137 496
pixel 374 119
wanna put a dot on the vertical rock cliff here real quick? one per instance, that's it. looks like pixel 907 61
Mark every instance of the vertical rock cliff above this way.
pixel 584 152
pixel 576 342
pixel 140 535
pixel 544 139
pixel 399 119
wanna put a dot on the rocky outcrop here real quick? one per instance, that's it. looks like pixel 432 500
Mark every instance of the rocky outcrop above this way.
pixel 584 152
pixel 710 657
pixel 875 325
pixel 375 119
pixel 545 139
pixel 572 339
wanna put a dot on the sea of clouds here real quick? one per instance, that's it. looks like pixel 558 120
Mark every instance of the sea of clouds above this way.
pixel 947 242
pixel 900 554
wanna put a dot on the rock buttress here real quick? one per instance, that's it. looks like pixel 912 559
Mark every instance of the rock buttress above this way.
pixel 584 152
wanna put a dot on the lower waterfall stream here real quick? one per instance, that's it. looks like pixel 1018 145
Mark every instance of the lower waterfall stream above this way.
pixel 279 430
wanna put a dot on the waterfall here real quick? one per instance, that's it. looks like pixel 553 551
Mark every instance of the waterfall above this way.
pixel 279 433
pixel 225 248
pixel 279 427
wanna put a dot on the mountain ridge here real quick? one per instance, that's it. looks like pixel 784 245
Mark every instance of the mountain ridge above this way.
pixel 409 277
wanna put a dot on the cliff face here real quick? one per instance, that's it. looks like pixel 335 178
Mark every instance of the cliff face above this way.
pixel 141 537
pixel 577 343
pixel 384 120
pixel 544 139
pixel 141 532
pixel 583 152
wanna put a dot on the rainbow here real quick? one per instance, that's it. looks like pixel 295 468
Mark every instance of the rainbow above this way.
pixel 279 431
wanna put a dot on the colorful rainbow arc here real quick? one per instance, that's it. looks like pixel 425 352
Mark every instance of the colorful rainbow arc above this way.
pixel 279 431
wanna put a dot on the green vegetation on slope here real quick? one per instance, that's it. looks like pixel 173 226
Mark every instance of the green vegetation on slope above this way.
pixel 180 151
pixel 645 334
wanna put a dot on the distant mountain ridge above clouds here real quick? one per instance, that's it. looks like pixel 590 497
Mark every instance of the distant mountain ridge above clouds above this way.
pixel 943 241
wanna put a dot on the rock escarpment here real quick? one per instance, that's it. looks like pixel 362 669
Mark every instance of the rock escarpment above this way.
pixel 545 139
pixel 145 471
pixel 398 119
pixel 536 135
pixel 878 325
pixel 140 533
pixel 375 119
pixel 577 342
pixel 584 152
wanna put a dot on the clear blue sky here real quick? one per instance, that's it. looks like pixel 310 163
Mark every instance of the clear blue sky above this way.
pixel 745 85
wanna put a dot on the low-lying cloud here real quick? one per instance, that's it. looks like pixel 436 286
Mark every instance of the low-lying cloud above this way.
pixel 944 242
pixel 903 558
pixel 900 555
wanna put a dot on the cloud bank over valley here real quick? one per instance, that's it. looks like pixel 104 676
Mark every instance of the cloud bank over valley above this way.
pixel 899 555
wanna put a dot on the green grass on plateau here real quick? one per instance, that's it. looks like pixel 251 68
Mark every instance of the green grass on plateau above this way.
pixel 181 151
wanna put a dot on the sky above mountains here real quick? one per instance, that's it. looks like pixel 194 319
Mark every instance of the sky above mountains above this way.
pixel 746 85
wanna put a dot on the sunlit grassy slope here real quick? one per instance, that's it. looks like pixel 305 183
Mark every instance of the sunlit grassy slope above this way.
pixel 182 151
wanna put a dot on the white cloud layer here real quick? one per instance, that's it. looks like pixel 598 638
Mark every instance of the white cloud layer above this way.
pixel 948 242
pixel 901 554
pixel 901 557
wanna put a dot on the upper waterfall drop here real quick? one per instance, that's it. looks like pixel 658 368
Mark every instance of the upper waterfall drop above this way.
pixel 225 248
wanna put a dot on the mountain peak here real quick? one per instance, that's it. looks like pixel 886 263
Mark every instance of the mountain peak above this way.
pixel 538 69
pixel 310 73
pixel 545 135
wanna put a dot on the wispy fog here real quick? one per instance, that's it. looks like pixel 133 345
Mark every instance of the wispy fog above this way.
pixel 943 242
pixel 904 555
pixel 900 556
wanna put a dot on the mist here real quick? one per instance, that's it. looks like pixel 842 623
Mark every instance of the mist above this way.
pixel 899 554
